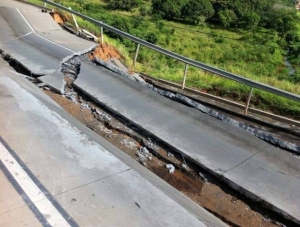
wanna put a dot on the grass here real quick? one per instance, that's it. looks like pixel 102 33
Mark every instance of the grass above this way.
pixel 254 55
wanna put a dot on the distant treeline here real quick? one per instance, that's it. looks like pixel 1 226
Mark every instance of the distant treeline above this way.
pixel 279 15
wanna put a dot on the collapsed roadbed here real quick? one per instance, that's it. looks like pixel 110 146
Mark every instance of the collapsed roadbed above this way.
pixel 199 147
pixel 200 184
pixel 226 152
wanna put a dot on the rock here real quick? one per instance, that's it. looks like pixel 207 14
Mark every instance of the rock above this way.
pixel 171 168
pixel 203 177
pixel 170 154
pixel 85 105
pixel 144 150
pixel 144 155
pixel 128 142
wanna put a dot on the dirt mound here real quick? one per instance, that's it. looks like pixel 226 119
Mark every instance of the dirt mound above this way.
pixel 105 52
pixel 57 18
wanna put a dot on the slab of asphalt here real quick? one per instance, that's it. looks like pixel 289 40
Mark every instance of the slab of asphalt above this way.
pixel 77 170
pixel 47 28
pixel 54 80
pixel 31 37
pixel 250 165
pixel 20 47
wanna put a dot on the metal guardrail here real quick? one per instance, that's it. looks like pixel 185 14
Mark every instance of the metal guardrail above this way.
pixel 181 58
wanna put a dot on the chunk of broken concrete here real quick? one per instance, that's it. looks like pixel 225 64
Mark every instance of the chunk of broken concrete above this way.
pixel 171 168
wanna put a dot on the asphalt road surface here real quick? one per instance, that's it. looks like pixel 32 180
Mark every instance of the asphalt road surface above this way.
pixel 256 168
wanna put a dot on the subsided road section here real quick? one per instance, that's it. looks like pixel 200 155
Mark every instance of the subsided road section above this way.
pixel 72 166
pixel 259 170
pixel 76 171
pixel 250 165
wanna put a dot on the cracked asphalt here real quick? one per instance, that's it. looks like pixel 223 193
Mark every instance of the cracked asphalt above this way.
pixel 255 168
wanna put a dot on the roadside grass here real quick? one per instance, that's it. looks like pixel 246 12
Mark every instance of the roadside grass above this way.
pixel 256 55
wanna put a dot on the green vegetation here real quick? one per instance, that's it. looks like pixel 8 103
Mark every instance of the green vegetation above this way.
pixel 121 4
pixel 251 39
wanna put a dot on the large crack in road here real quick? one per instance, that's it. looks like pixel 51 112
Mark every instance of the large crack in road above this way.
pixel 199 185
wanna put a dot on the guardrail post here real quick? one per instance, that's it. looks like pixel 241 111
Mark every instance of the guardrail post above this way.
pixel 102 34
pixel 136 55
pixel 248 101
pixel 185 73
pixel 45 4
pixel 74 19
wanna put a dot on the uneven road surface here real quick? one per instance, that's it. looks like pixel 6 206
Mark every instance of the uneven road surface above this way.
pixel 56 172
pixel 68 176
pixel 259 170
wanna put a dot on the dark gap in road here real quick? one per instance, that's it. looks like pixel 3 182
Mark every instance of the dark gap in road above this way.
pixel 16 65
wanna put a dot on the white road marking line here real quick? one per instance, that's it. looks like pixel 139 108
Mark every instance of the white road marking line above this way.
pixel 31 189
pixel 26 21
pixel 54 43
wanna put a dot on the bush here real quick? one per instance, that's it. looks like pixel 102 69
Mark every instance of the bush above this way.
pixel 156 17
pixel 143 11
pixel 151 38
pixel 126 5
pixel 119 23
pixel 195 11
pixel 227 17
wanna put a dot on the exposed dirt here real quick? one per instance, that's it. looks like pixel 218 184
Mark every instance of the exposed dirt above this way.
pixel 105 52
pixel 188 178
pixel 57 18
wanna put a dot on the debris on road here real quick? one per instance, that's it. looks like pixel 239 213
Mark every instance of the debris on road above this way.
pixel 203 177
pixel 70 68
pixel 209 193
pixel 130 143
pixel 100 115
pixel 144 155
pixel 170 155
pixel 171 168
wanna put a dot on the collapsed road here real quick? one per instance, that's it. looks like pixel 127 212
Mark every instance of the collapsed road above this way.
pixel 232 155
pixel 67 175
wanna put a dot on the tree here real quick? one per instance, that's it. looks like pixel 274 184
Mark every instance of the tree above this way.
pixel 283 20
pixel 126 5
pixel 195 10
pixel 251 20
pixel 151 38
pixel 168 9
pixel 293 40
pixel 119 23
pixel 227 17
